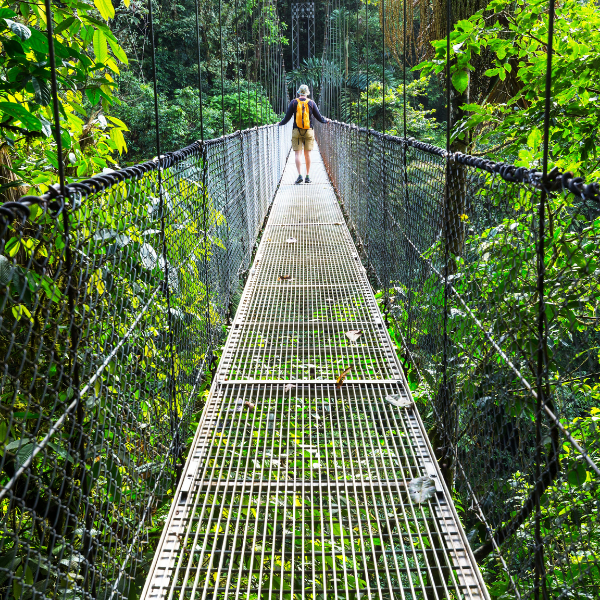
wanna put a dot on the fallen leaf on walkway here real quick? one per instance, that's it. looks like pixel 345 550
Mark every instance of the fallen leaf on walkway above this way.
pixel 249 405
pixel 288 387
pixel 353 334
pixel 421 489
pixel 284 278
pixel 341 377
pixel 291 240
pixel 398 400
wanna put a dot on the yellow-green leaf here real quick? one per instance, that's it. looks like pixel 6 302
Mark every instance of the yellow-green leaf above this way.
pixel 116 135
pixel 100 46
pixel 105 8
pixel 118 51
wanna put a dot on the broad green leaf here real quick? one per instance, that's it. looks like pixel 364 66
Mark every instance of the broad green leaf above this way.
pixel 21 31
pixel 100 46
pixel 41 91
pixel 64 25
pixel 460 80
pixel 118 51
pixel 534 139
pixel 117 122
pixel 116 135
pixel 20 113
pixel 577 474
pixel 105 8
pixel 38 42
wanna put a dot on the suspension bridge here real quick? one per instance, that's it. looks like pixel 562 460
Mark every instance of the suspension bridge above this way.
pixel 296 486
pixel 391 415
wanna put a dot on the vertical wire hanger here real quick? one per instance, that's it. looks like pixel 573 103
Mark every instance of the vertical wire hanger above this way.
pixel 222 70
pixel 542 368
pixel 55 100
pixel 404 68
pixel 172 395
pixel 367 53
pixel 199 70
pixel 446 216
pixel 383 65
pixel 237 62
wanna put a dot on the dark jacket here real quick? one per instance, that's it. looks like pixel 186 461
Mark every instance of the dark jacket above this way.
pixel 313 111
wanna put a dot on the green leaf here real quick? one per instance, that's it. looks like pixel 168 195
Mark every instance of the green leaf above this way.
pixel 118 51
pixel 577 474
pixel 87 34
pixel 460 80
pixel 534 139
pixel 100 46
pixel 105 8
pixel 64 25
pixel 117 122
pixel 46 127
pixel 38 42
pixel 41 91
pixel 21 31
pixel 20 113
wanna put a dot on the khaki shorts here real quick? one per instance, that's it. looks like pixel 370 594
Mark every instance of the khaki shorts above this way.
pixel 303 138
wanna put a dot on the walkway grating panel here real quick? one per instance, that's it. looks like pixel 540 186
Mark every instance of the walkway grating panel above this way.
pixel 295 488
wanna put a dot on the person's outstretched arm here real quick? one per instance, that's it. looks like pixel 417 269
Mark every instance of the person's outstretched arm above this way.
pixel 289 114
pixel 317 114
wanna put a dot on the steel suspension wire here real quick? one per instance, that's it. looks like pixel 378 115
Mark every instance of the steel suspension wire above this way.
pixel 162 210
pixel 196 5
pixel 222 70
pixel 542 380
pixel 122 307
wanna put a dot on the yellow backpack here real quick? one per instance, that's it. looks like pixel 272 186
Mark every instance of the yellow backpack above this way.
pixel 303 114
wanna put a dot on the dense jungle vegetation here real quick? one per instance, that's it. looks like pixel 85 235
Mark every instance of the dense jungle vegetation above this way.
pixel 498 59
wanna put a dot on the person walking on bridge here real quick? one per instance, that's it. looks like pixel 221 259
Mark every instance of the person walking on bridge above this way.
pixel 303 135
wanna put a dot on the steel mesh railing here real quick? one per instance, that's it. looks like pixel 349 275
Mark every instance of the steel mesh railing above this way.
pixel 489 282
pixel 113 304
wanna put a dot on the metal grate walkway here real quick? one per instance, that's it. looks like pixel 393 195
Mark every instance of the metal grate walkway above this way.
pixel 293 488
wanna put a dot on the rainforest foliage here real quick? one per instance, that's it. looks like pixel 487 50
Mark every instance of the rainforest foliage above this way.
pixel 498 58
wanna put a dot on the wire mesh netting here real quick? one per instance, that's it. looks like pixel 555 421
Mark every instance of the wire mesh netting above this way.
pixel 489 282
pixel 113 304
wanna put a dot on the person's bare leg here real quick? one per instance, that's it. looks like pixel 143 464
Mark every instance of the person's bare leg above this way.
pixel 307 160
pixel 298 163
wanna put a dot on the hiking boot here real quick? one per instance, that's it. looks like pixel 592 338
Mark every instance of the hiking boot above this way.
pixel 307 180
pixel 299 180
